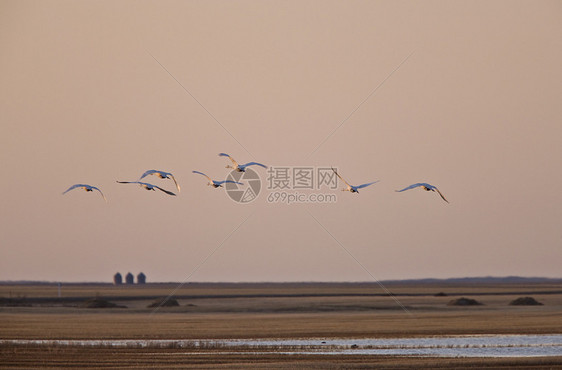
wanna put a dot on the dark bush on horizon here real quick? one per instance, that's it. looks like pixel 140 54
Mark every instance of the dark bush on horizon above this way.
pixel 100 303
pixel 525 301
pixel 464 302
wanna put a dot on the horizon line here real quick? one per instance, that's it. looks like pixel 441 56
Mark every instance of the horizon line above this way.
pixel 488 277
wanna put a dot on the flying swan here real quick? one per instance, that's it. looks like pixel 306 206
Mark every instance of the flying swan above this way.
pixel 217 184
pixel 351 188
pixel 240 167
pixel 426 187
pixel 85 187
pixel 162 175
pixel 147 186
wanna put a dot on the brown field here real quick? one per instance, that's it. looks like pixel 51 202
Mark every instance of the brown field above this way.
pixel 312 310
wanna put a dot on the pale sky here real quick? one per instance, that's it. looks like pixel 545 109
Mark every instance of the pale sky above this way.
pixel 466 97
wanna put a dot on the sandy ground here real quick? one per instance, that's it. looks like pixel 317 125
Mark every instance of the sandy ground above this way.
pixel 267 311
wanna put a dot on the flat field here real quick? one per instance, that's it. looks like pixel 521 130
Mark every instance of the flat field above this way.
pixel 264 310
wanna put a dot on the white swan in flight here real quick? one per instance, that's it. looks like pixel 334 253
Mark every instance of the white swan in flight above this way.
pixel 351 188
pixel 147 186
pixel 217 184
pixel 240 167
pixel 85 187
pixel 162 175
pixel 426 187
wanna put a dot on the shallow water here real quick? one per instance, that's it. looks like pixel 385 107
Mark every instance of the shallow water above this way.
pixel 444 346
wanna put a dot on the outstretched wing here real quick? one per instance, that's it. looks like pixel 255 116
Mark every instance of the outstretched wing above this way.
pixel 104 198
pixel 341 178
pixel 229 157
pixel 175 182
pixel 201 173
pixel 254 164
pixel 149 172
pixel 365 185
pixel 228 181
pixel 437 190
pixel 129 182
pixel 74 187
pixel 412 186
pixel 164 190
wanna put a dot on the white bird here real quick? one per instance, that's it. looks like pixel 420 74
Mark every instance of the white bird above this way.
pixel 147 186
pixel 85 187
pixel 217 184
pixel 426 187
pixel 351 188
pixel 240 167
pixel 162 175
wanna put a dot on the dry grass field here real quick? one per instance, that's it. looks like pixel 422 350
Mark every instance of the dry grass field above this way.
pixel 216 311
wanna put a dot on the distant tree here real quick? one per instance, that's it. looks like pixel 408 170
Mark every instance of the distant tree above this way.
pixel 129 279
pixel 117 279
pixel 141 278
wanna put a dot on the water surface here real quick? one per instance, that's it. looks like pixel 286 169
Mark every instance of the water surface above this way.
pixel 443 346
